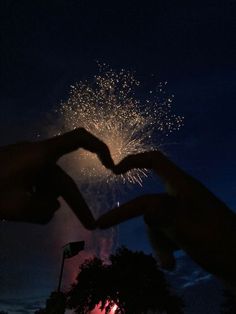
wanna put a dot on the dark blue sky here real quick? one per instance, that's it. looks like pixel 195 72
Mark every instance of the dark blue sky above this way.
pixel 48 45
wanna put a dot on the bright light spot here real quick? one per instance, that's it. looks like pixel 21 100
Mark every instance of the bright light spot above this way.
pixel 98 311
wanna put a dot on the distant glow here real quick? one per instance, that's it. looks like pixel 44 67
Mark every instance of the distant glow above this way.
pixel 109 109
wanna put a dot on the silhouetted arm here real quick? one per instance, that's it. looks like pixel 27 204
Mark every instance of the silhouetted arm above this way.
pixel 31 182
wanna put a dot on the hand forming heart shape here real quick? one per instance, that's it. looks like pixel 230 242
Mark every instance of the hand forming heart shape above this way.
pixel 187 216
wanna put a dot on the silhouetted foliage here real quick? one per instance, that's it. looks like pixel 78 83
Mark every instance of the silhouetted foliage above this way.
pixel 132 281
pixel 3 312
pixel 229 305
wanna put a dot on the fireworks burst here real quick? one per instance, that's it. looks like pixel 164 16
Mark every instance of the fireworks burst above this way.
pixel 108 109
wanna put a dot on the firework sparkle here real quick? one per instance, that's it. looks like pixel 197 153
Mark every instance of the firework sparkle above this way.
pixel 108 108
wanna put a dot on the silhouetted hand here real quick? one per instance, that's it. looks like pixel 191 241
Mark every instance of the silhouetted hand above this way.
pixel 187 216
pixel 31 181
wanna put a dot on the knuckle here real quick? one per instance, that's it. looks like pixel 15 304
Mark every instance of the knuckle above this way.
pixel 82 130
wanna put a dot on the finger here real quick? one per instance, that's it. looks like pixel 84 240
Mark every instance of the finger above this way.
pixel 137 207
pixel 141 160
pixel 149 160
pixel 78 138
pixel 166 169
pixel 63 185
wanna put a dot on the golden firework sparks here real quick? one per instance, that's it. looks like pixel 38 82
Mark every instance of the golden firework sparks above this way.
pixel 108 108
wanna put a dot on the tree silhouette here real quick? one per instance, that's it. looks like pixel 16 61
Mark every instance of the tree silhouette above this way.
pixel 132 281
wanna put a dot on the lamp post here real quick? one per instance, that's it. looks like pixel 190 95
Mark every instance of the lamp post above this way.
pixel 69 250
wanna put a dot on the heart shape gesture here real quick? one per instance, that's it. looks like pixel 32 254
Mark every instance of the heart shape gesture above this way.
pixel 31 181
pixel 188 216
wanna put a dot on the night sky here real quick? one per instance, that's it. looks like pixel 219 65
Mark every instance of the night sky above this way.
pixel 48 45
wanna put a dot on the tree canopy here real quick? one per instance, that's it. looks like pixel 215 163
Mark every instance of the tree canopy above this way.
pixel 132 281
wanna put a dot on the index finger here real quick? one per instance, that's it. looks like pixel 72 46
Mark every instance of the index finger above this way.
pixel 155 160
pixel 78 138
